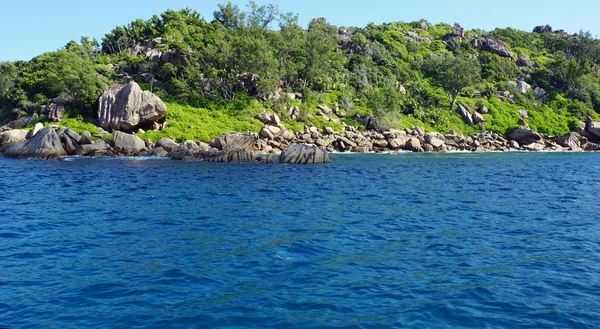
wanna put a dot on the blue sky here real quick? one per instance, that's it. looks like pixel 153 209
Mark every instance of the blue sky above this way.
pixel 31 27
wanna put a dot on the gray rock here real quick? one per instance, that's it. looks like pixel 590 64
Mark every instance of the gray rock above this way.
pixel 128 143
pixel 458 31
pixel 85 139
pixel 235 141
pixel 19 123
pixel 269 118
pixel 525 136
pixel 128 107
pixel 325 109
pixel 397 143
pixel 523 113
pixel 228 156
pixel 303 154
pixel 483 110
pixel 55 112
pixel 92 149
pixel 594 129
pixel 414 145
pixel 12 136
pixel 167 144
pixel 44 145
pixel 158 152
pixel 465 113
pixel 570 140
pixel 523 87
pixel 371 123
pixel 478 118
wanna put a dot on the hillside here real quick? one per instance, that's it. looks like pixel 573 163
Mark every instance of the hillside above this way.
pixel 216 74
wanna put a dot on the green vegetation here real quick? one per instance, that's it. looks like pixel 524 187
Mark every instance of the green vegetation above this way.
pixel 216 74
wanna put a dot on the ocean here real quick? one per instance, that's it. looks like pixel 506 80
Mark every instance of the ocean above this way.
pixel 502 240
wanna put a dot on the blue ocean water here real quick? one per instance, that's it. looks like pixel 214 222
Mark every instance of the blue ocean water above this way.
pixel 366 241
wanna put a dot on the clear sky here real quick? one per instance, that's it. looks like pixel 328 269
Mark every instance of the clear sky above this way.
pixel 31 27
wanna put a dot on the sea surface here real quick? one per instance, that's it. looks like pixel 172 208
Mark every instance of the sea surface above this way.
pixel 506 240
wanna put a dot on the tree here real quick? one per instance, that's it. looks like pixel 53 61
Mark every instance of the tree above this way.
pixel 453 74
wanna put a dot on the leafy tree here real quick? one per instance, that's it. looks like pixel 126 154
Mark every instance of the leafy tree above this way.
pixel 453 74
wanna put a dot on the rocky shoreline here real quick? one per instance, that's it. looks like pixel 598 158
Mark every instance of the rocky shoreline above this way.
pixel 126 109
pixel 310 146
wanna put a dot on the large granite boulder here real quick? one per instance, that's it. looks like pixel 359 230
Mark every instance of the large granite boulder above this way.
pixel 13 136
pixel 128 143
pixel 570 140
pixel 524 136
pixel 129 107
pixel 303 154
pixel 54 112
pixel 414 145
pixel 229 155
pixel 370 122
pixel 232 141
pixel 44 145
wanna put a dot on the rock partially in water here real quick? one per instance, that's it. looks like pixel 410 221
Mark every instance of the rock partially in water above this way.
pixel 44 145
pixel 303 154
pixel 92 149
pixel 233 141
pixel 230 155
pixel 128 143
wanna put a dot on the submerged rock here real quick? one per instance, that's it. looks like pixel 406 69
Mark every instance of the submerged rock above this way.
pixel 230 155
pixel 303 154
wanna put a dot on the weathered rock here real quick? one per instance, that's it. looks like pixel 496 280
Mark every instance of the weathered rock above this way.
pixel 523 87
pixel 92 149
pixel 227 156
pixel 128 143
pixel 129 107
pixel 325 109
pixel 594 128
pixel 294 112
pixel 38 126
pixel 524 62
pixel 523 113
pixel 68 143
pixel 235 141
pixel 483 110
pixel 44 145
pixel 415 36
pixel 465 113
pixel 13 136
pixel 414 145
pixel 478 118
pixel 269 118
pixel 167 144
pixel 458 31
pixel 542 29
pixel 19 123
pixel 497 47
pixel 397 143
pixel 534 147
pixel 85 139
pixel 525 136
pixel 303 154
pixel 370 122
pixel 570 140
pixel 158 152
pixel 55 112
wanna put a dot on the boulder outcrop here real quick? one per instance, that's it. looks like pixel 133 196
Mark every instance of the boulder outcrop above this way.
pixel 44 145
pixel 129 107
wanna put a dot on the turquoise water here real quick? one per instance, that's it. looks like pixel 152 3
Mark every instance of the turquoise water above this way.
pixel 372 241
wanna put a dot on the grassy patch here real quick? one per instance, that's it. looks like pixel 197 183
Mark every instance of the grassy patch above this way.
pixel 199 124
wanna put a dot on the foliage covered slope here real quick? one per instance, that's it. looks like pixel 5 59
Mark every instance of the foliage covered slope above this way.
pixel 217 74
